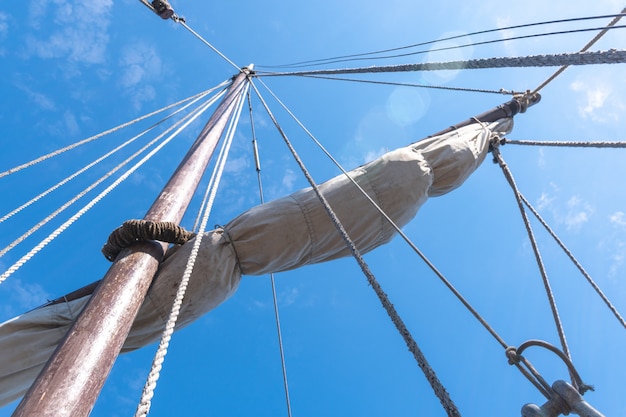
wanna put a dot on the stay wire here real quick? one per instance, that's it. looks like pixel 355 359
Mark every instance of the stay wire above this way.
pixel 612 24
pixel 101 134
pixel 144 405
pixel 472 44
pixel 272 280
pixel 575 261
pixel 186 26
pixel 187 121
pixel 323 61
pixel 432 378
pixel 97 161
pixel 436 87
pixel 572 144
pixel 546 282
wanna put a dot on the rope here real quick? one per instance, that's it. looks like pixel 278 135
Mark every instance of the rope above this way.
pixel 344 58
pixel 88 189
pixel 103 194
pixel 436 385
pixel 99 135
pixel 603 144
pixel 97 161
pixel 148 391
pixel 612 56
pixel 518 197
pixel 575 261
pixel 595 39
pixel 436 87
pixel 132 231
pixel 272 280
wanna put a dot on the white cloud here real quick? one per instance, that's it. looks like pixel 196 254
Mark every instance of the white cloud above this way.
pixel 597 98
pixel 22 297
pixel 79 33
pixel 71 125
pixel 572 214
pixel 617 258
pixel 577 213
pixel 139 62
pixel 4 25
pixel 41 100
pixel 288 297
pixel 140 65
pixel 618 218
pixel 289 179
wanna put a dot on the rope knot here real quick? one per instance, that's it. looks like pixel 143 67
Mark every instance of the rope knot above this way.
pixel 132 231
pixel 511 354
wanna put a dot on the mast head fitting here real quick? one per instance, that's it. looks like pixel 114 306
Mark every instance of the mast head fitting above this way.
pixel 526 100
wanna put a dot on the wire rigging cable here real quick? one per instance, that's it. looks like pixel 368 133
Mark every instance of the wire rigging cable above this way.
pixel 187 121
pixel 148 391
pixel 435 87
pixel 272 280
pixel 344 58
pixel 447 48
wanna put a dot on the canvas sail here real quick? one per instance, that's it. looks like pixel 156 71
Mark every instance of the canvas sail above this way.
pixel 277 236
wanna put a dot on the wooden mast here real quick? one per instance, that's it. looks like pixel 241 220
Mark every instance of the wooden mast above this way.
pixel 71 381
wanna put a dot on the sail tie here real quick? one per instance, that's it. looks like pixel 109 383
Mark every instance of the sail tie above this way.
pixel 133 231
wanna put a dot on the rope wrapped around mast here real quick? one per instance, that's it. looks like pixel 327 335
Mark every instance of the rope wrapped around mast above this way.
pixel 132 231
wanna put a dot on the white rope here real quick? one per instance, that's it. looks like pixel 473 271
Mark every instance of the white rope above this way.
pixel 148 391
pixel 87 207
pixel 90 187
pixel 99 135
pixel 97 161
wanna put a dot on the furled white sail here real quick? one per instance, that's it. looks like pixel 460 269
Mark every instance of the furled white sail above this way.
pixel 277 236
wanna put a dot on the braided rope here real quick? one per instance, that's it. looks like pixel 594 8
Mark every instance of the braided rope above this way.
pixel 97 161
pixel 104 193
pixel 518 197
pixel 429 373
pixel 84 192
pixel 612 56
pixel 147 394
pixel 589 44
pixel 101 134
pixel 576 262
pixel 573 144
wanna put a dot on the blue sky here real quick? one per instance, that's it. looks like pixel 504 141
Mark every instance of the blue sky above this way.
pixel 72 69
